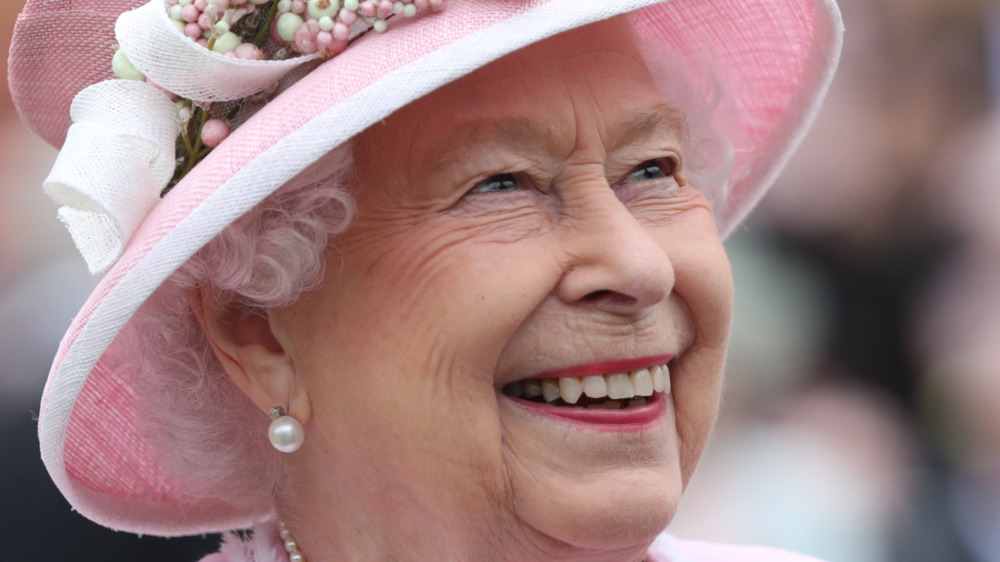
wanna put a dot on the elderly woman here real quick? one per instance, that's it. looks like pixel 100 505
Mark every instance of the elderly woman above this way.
pixel 460 264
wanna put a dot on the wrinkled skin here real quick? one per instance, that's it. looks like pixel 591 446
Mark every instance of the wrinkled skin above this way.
pixel 531 216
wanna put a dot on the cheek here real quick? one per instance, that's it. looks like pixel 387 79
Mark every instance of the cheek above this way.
pixel 403 346
pixel 703 282
pixel 429 312
pixel 702 275
pixel 471 287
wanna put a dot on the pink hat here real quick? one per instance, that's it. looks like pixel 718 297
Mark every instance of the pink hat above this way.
pixel 774 58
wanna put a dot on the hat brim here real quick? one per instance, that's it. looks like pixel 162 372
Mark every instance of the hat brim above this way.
pixel 59 48
pixel 778 58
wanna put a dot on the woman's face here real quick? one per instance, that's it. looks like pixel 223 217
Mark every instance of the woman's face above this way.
pixel 529 218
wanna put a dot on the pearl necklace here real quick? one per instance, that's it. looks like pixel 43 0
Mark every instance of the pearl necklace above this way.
pixel 294 554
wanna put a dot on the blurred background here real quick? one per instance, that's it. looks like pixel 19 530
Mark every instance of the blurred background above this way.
pixel 861 420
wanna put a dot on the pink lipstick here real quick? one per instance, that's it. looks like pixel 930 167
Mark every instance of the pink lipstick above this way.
pixel 633 419
pixel 613 395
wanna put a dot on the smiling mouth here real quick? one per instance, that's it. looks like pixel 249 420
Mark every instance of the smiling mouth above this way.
pixel 617 391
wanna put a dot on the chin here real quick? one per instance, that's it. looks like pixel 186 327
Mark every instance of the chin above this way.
pixel 618 510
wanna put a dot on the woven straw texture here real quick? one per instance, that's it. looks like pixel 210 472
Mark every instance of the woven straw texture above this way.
pixel 774 57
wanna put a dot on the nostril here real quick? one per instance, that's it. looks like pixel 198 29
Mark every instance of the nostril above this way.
pixel 609 297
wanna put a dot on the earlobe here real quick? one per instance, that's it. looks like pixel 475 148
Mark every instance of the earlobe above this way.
pixel 243 339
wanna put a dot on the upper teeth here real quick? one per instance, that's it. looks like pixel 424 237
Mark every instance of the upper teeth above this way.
pixel 617 386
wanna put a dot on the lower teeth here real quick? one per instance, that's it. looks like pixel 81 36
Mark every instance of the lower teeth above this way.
pixel 594 403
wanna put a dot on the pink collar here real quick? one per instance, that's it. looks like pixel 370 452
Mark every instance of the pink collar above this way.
pixel 264 544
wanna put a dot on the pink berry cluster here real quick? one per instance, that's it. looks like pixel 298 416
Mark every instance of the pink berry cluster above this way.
pixel 210 22
pixel 261 30
pixel 303 26
pixel 324 26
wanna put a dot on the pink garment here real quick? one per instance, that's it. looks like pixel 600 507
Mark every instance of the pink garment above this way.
pixel 265 546
pixel 666 548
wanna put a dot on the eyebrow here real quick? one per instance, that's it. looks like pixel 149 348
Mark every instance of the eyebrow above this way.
pixel 518 132
pixel 531 135
pixel 646 124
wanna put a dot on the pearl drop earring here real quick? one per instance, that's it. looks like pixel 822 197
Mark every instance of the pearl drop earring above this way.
pixel 285 433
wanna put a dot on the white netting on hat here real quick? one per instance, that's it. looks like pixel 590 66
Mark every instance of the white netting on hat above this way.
pixel 175 62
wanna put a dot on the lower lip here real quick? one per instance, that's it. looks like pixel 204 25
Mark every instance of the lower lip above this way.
pixel 641 418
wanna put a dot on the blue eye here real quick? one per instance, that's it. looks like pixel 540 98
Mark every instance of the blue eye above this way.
pixel 652 170
pixel 498 183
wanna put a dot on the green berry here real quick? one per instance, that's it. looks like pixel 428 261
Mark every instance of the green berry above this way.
pixel 321 8
pixel 227 42
pixel 288 24
pixel 124 69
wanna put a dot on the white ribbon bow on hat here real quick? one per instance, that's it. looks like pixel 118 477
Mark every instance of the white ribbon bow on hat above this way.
pixel 120 152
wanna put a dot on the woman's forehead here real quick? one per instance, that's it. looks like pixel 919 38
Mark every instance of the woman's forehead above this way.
pixel 539 98
pixel 546 73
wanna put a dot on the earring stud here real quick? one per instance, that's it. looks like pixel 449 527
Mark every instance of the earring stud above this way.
pixel 285 433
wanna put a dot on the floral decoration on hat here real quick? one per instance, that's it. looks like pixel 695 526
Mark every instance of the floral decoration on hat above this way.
pixel 189 72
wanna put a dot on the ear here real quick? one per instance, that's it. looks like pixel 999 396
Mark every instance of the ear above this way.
pixel 245 341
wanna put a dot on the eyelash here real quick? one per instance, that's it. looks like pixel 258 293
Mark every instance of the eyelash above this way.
pixel 501 183
pixel 666 166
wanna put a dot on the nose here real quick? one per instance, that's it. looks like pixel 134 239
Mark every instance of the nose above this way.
pixel 615 263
